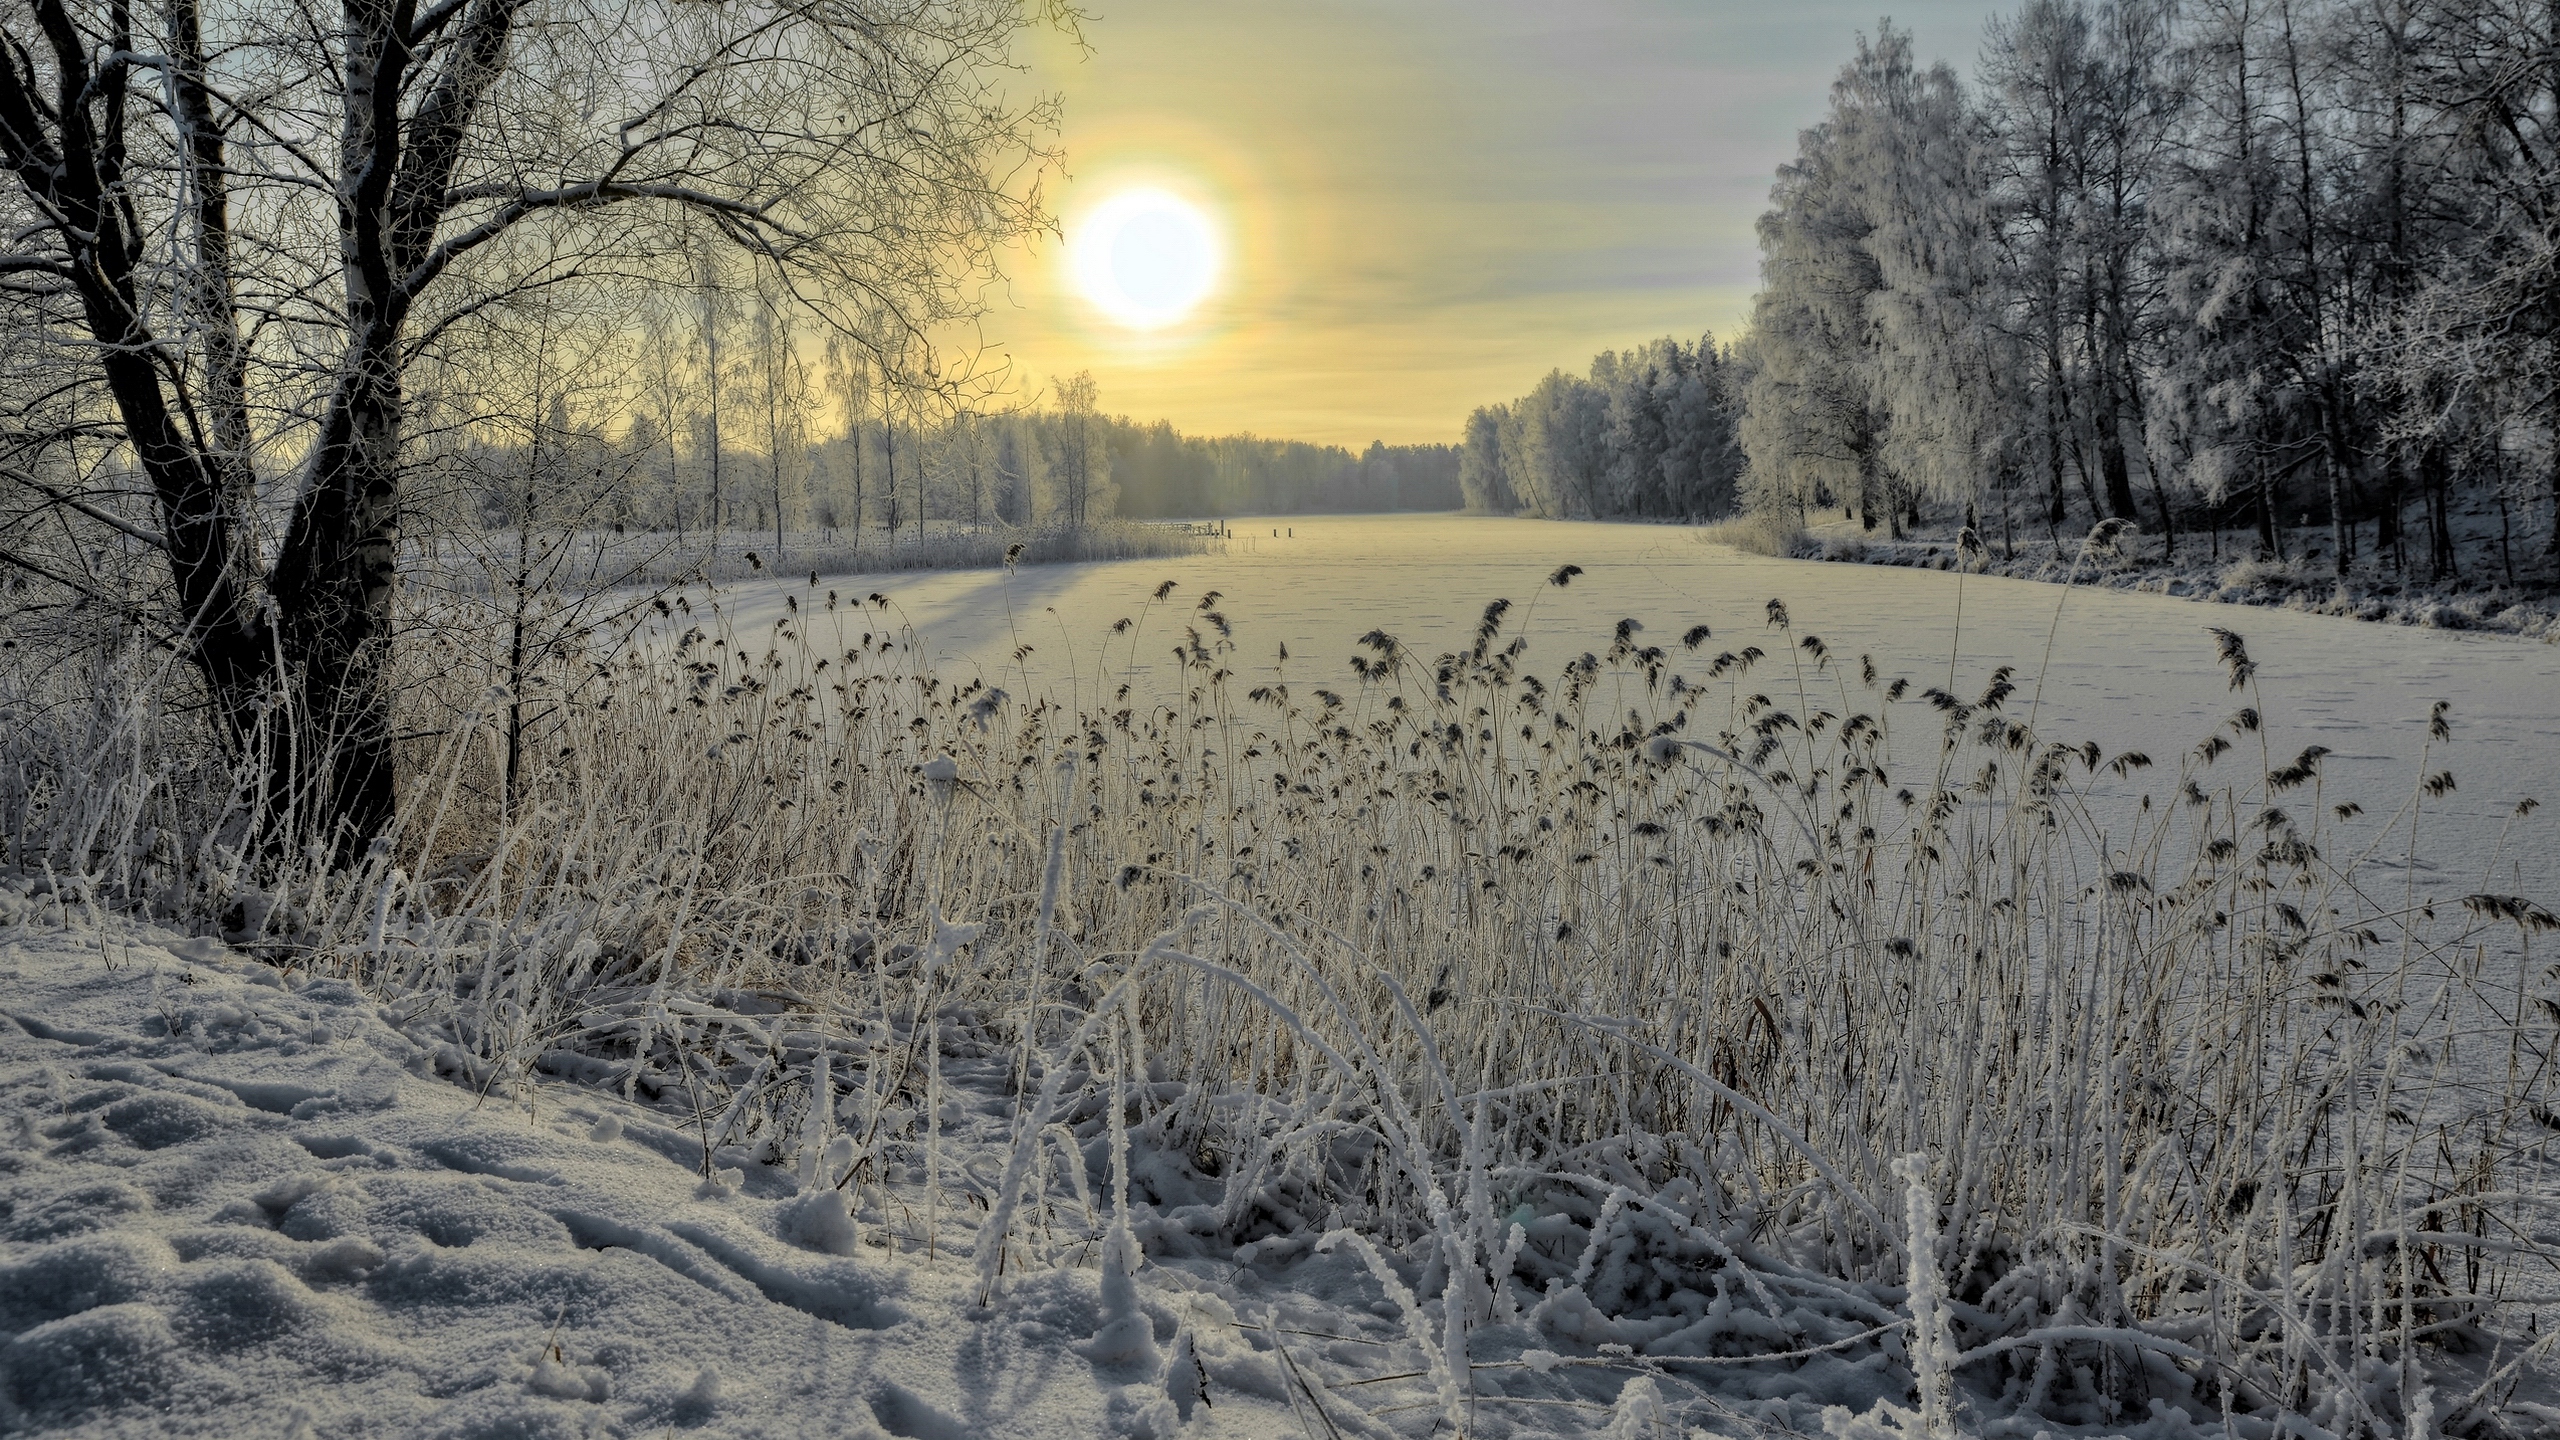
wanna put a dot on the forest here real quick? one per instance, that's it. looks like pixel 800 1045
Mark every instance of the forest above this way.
pixel 2289 268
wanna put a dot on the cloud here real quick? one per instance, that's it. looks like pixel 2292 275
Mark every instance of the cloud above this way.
pixel 1433 201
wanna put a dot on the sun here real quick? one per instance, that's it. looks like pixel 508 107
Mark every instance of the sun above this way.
pixel 1145 257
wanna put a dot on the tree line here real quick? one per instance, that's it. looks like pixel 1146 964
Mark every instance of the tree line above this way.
pixel 2261 264
pixel 677 426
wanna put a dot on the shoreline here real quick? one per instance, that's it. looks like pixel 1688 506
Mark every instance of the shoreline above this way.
pixel 2302 583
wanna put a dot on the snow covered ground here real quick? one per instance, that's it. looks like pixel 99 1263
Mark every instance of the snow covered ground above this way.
pixel 2132 671
pixel 2482 597
pixel 236 1201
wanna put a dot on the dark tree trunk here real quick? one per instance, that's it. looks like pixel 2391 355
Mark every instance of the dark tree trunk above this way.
pixel 2551 295
pixel 2112 465
pixel 2387 516
pixel 2168 516
pixel 327 620
pixel 2054 505
pixel 333 587
pixel 2082 470
pixel 2340 461
pixel 2551 543
pixel 2269 548
pixel 2105 423
pixel 63 160
pixel 2434 471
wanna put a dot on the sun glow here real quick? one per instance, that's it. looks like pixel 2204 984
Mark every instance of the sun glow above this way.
pixel 1145 257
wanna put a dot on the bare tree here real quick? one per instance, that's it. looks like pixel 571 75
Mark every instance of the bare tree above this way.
pixel 784 389
pixel 662 382
pixel 1077 400
pixel 713 306
pixel 242 227
pixel 849 376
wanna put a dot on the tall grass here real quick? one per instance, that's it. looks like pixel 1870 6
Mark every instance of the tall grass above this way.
pixel 1597 984
pixel 1774 533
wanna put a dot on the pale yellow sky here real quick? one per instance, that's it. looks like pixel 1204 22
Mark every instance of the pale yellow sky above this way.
pixel 1427 203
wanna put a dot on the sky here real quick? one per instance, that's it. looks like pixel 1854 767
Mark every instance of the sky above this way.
pixel 1421 206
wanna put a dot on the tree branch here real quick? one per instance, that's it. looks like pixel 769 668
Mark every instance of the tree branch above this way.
pixel 107 518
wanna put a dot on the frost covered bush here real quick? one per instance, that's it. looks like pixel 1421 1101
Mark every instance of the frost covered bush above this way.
pixel 1711 1000
pixel 1775 533
pixel 2284 576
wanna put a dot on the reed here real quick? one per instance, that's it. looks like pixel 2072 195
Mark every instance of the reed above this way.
pixel 1774 533
pixel 1704 989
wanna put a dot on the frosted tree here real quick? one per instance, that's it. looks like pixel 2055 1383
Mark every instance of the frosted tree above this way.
pixel 715 310
pixel 2480 330
pixel 1012 475
pixel 2138 87
pixel 242 226
pixel 782 392
pixel 1810 429
pixel 1482 476
pixel 2280 262
pixel 662 402
pixel 1075 446
pixel 2040 78
pixel 2223 371
pixel 1702 457
pixel 1634 431
pixel 1563 447
pixel 849 387
pixel 1937 363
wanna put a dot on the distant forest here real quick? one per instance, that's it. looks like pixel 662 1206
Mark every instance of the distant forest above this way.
pixel 1161 472
pixel 2241 263
pixel 762 441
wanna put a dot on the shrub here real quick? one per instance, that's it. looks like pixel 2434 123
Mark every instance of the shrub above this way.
pixel 1775 533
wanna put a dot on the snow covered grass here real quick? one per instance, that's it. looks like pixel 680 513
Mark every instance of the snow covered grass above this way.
pixel 1721 1008
pixel 1774 533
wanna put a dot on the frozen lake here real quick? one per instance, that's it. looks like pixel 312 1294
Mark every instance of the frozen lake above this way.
pixel 2130 671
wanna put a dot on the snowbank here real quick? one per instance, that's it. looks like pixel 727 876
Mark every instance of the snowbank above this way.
pixel 240 1202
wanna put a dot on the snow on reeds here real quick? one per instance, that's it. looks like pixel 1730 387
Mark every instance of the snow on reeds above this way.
pixel 1774 533
pixel 1698 998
